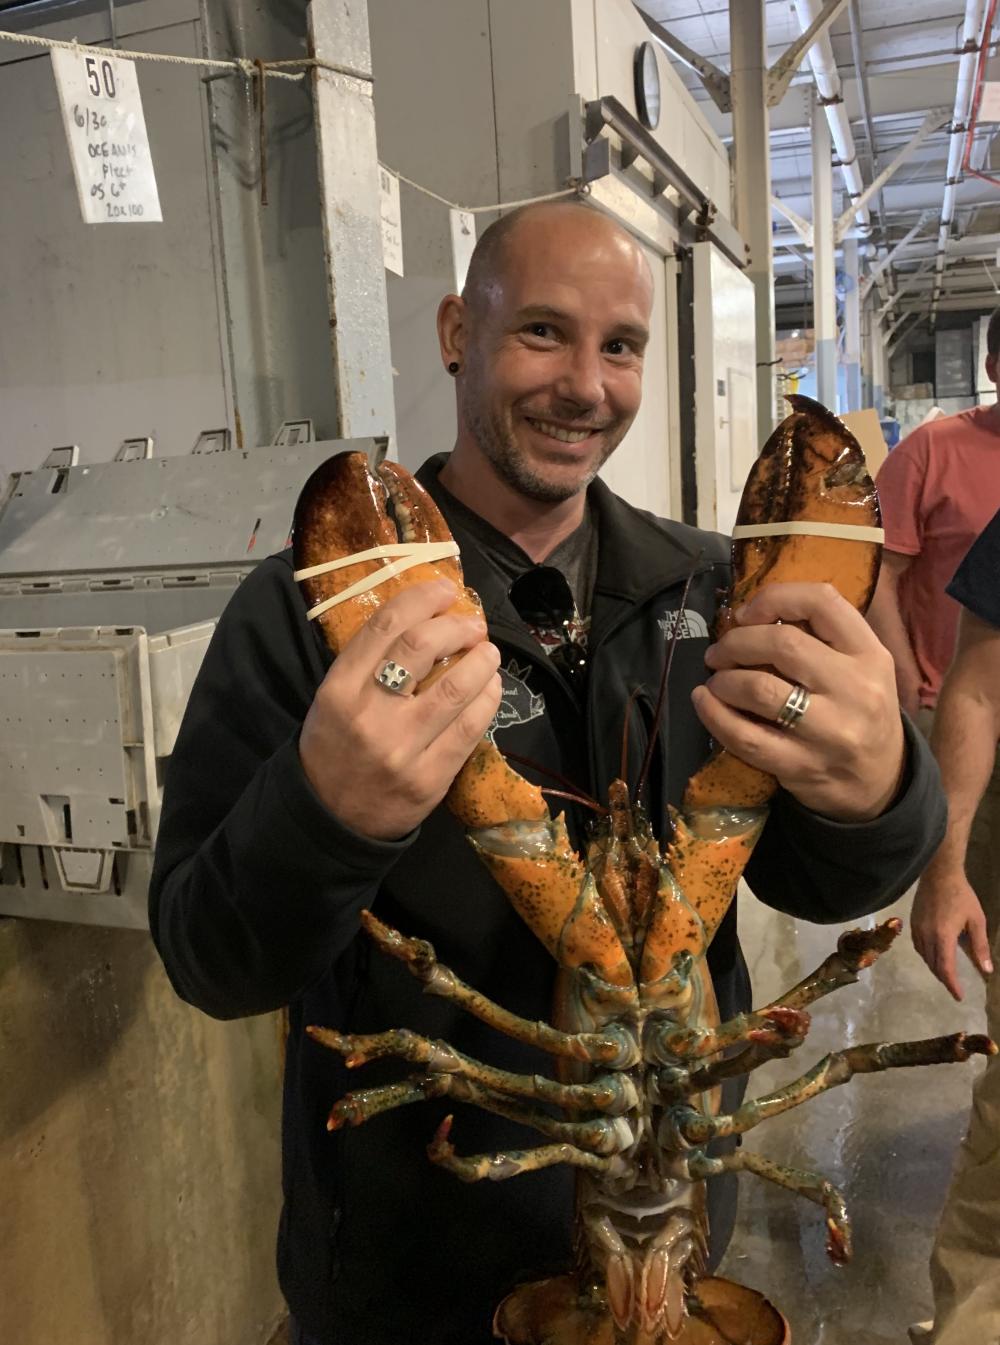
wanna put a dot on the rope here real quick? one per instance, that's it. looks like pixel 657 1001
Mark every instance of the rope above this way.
pixel 239 64
pixel 581 189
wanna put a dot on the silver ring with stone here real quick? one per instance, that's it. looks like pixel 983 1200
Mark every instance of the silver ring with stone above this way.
pixel 394 677
pixel 794 708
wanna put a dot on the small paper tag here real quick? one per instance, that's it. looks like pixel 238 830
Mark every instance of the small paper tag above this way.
pixel 392 225
pixel 106 131
pixel 463 241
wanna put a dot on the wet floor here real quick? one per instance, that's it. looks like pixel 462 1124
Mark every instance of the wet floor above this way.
pixel 887 1140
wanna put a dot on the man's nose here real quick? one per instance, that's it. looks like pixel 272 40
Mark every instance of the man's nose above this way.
pixel 581 378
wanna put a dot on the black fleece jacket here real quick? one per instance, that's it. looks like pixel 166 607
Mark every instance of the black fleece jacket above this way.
pixel 257 890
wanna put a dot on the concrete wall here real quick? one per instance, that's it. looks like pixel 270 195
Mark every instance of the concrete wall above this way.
pixel 215 317
pixel 138 1151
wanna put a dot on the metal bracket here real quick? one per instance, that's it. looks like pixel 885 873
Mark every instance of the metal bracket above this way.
pixel 666 171
pixel 68 456
pixel 782 72
pixel 212 441
pixel 292 432
pixel 134 450
pixel 716 81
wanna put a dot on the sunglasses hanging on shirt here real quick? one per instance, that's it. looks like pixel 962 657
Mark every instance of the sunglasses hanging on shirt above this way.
pixel 544 602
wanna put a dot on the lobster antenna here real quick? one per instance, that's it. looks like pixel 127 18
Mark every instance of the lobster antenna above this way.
pixel 576 795
pixel 664 677
pixel 576 798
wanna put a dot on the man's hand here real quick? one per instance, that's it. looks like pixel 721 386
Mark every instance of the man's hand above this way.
pixel 845 757
pixel 947 912
pixel 380 762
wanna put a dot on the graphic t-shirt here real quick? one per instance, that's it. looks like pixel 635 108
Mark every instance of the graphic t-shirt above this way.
pixel 938 490
pixel 575 558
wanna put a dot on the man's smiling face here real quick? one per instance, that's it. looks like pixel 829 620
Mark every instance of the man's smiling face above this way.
pixel 553 365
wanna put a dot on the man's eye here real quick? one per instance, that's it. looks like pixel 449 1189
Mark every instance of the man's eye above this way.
pixel 540 329
pixel 617 346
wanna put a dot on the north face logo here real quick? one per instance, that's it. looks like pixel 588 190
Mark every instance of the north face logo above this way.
pixel 687 624
pixel 518 703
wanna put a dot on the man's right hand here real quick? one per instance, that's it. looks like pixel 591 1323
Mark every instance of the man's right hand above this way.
pixel 379 761
pixel 946 911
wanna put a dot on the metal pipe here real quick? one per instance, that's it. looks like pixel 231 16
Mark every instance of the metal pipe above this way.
pixel 824 69
pixel 859 69
pixel 964 89
pixel 824 286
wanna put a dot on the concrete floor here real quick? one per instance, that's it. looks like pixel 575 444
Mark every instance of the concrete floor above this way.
pixel 887 1140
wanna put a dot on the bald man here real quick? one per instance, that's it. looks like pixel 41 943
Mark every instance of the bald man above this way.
pixel 303 790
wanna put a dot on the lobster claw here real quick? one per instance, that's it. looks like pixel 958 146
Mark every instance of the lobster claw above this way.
pixel 812 469
pixel 346 509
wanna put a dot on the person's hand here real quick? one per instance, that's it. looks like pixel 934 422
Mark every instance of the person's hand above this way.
pixel 381 761
pixel 946 912
pixel 845 757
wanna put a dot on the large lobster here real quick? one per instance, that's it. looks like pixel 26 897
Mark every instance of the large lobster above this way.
pixel 635 1031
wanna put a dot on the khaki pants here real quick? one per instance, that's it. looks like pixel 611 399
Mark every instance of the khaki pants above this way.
pixel 965 1261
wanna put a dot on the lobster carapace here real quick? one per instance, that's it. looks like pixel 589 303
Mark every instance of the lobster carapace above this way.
pixel 636 1037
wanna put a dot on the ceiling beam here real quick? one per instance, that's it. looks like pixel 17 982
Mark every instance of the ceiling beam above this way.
pixel 935 119
pixel 716 81
pixel 780 74
pixel 878 267
pixel 802 227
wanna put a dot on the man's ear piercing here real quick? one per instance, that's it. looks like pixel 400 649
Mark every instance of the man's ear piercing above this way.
pixel 454 367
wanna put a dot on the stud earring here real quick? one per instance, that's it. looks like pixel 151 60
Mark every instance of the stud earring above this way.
pixel 454 367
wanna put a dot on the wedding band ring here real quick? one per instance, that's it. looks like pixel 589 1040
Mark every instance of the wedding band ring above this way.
pixel 794 708
pixel 393 677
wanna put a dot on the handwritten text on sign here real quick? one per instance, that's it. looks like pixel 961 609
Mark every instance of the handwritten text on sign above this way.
pixel 102 112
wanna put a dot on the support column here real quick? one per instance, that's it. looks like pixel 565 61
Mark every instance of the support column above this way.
pixel 351 209
pixel 876 345
pixel 824 288
pixel 752 185
pixel 852 325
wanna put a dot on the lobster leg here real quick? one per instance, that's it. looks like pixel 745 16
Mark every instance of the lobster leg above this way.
pixel 599 1136
pixel 614 1046
pixel 766 1044
pixel 611 1093
pixel 498 1167
pixel 764 1026
pixel 857 949
pixel 832 1070
pixel 808 1184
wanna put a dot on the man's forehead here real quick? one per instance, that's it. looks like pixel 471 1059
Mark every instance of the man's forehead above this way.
pixel 556 267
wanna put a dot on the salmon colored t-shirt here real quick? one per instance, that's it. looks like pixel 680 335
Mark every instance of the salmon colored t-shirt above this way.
pixel 938 490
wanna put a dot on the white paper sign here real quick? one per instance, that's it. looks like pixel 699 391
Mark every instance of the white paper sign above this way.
pixel 463 240
pixel 392 225
pixel 102 113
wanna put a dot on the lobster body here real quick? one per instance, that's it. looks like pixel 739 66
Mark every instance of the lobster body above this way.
pixel 639 1051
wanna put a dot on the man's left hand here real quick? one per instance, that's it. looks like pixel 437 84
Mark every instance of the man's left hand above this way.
pixel 845 756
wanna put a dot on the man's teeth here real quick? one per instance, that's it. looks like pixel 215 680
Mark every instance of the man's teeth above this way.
pixel 558 432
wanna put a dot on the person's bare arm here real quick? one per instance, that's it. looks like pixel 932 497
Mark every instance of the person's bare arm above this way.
pixel 885 620
pixel 966 730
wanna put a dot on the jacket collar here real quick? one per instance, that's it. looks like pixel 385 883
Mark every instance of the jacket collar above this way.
pixel 638 555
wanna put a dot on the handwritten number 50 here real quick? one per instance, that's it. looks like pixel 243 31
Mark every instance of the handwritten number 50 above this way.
pixel 100 80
